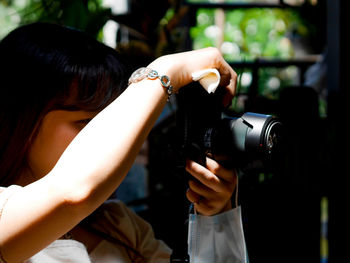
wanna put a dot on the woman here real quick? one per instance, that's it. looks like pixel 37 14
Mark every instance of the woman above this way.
pixel 66 144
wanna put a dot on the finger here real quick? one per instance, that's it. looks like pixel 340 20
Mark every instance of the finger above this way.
pixel 203 175
pixel 202 190
pixel 203 204
pixel 206 200
pixel 228 78
pixel 227 100
pixel 225 174
pixel 202 208
pixel 217 198
pixel 193 197
pixel 206 208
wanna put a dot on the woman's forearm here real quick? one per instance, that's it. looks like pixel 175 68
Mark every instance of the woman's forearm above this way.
pixel 103 152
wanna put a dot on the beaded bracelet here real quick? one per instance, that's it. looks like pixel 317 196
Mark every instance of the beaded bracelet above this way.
pixel 143 73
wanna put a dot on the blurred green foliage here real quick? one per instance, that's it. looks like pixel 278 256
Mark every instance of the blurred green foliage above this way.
pixel 250 33
pixel 87 15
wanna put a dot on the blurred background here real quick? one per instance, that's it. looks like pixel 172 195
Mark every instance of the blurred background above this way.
pixel 290 60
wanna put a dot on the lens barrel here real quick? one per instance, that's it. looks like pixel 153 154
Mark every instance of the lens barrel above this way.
pixel 244 140
pixel 263 132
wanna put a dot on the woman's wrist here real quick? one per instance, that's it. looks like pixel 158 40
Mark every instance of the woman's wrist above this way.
pixel 151 74
pixel 166 66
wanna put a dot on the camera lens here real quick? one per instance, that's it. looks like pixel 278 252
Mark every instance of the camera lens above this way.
pixel 251 138
pixel 263 132
pixel 272 136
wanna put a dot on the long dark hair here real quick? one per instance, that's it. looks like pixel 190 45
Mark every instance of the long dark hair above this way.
pixel 44 67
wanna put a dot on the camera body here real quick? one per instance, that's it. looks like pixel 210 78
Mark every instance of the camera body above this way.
pixel 249 142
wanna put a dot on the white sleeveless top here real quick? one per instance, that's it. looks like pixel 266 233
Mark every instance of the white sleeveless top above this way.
pixel 62 250
pixel 72 251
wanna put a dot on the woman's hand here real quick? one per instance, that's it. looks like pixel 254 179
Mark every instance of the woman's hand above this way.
pixel 212 187
pixel 180 66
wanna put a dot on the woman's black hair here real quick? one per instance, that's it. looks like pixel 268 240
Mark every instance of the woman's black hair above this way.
pixel 44 67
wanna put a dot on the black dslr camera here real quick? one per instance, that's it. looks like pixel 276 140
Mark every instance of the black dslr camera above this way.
pixel 250 142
